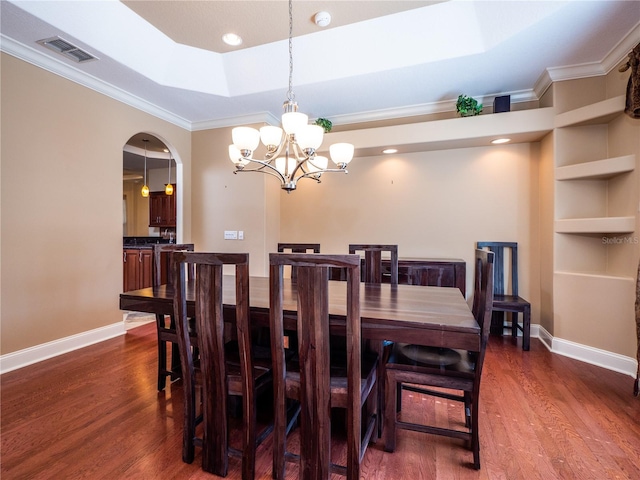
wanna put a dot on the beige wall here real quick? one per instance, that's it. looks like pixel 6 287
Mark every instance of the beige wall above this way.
pixel 223 201
pixel 432 204
pixel 61 203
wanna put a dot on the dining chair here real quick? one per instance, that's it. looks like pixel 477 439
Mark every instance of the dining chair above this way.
pixel 316 379
pixel 373 268
pixel 455 374
pixel 219 371
pixel 505 292
pixel 298 248
pixel 373 272
pixel 165 324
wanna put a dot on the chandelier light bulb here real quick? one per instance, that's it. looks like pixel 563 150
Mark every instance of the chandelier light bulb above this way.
pixel 245 138
pixel 317 163
pixel 292 122
pixel 309 137
pixel 341 153
pixel 285 165
pixel 271 136
pixel 145 190
pixel 236 157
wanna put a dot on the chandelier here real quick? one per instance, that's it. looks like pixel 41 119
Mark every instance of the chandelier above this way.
pixel 291 150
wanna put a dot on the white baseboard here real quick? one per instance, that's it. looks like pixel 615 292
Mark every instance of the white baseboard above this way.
pixel 31 355
pixel 22 358
pixel 584 353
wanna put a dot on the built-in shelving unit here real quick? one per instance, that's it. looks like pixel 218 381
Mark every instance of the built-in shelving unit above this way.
pixel 595 221
pixel 594 216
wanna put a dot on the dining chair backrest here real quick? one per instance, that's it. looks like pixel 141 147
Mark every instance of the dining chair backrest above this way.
pixel 483 299
pixel 505 266
pixel 312 298
pixel 298 248
pixel 372 271
pixel 162 261
pixel 165 325
pixel 211 341
pixel 457 380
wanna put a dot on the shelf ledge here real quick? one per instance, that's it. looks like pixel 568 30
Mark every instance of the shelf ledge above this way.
pixel 597 170
pixel 599 112
pixel 603 225
pixel 596 275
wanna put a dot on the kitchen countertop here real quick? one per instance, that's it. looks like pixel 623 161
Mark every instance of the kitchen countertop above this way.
pixel 142 243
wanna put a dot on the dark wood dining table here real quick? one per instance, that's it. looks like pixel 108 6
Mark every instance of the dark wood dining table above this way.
pixel 435 316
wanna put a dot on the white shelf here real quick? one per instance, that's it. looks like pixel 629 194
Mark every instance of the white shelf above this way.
pixel 600 112
pixel 600 169
pixel 603 225
pixel 595 275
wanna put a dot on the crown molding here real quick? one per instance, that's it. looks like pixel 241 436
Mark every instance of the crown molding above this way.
pixel 550 75
pixel 254 118
pixel 592 69
pixel 622 49
pixel 34 57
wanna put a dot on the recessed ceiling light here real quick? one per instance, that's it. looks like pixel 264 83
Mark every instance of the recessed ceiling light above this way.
pixel 498 141
pixel 232 39
pixel 390 150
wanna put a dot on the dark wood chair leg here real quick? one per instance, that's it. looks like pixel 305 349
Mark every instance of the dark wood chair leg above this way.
pixel 497 323
pixel 526 328
pixel 162 360
pixel 249 438
pixel 391 396
pixel 475 439
pixel 188 448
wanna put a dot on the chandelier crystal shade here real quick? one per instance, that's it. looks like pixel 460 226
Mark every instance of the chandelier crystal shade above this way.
pixel 291 150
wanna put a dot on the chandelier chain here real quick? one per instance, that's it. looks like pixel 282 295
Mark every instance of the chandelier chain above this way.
pixel 290 94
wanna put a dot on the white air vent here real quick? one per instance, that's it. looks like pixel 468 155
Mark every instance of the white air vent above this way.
pixel 67 49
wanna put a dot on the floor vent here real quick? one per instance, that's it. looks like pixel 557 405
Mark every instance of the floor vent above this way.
pixel 67 49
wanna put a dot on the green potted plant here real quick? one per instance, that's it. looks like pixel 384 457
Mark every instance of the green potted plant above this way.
pixel 467 106
pixel 325 124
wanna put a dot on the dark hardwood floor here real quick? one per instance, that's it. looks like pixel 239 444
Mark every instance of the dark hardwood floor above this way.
pixel 95 413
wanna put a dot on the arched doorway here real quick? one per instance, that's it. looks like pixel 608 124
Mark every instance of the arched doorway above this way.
pixel 151 217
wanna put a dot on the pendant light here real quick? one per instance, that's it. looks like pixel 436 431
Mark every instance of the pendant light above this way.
pixel 297 141
pixel 145 188
pixel 168 188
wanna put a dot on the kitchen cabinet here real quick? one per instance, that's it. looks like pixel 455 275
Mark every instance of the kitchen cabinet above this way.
pixel 137 268
pixel 162 209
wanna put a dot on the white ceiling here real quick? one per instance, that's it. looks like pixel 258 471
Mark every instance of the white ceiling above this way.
pixel 377 60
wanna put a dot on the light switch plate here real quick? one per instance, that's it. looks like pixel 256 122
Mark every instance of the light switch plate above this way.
pixel 240 235
pixel 230 234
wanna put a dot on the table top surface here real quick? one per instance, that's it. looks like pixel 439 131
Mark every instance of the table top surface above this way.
pixel 439 308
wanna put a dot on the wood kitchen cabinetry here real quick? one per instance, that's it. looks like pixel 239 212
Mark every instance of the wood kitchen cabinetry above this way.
pixel 137 268
pixel 162 209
